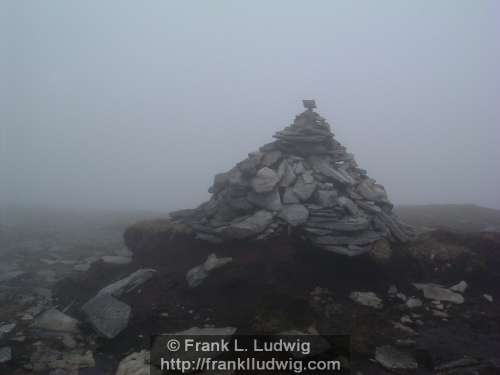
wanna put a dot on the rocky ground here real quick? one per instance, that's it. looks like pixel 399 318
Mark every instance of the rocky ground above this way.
pixel 429 306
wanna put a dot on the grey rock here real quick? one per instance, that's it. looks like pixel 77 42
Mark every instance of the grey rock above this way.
pixel 107 315
pixel 289 197
pixel 265 180
pixel 349 205
pixel 248 167
pixel 369 299
pixel 128 283
pixel 6 328
pixel 299 168
pixel 371 191
pixel 439 293
pixel 270 201
pixel 271 158
pixel 196 275
pixel 321 165
pixel 286 174
pixel 136 363
pixel 55 320
pixel 413 302
pixel 240 204
pixel 394 359
pixel 488 297
pixel 326 198
pixel 249 227
pixel 5 354
pixel 295 214
pixel 302 189
pixel 461 287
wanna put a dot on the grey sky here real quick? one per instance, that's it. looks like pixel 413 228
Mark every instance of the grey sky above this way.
pixel 128 104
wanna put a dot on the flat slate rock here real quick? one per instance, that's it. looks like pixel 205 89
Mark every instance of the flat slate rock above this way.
pixel 107 315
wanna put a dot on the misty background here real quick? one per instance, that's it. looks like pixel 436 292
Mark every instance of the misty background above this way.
pixel 136 105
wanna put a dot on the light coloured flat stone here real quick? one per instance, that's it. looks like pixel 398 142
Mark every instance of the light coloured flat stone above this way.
pixel 369 299
pixel 129 283
pixel 196 275
pixel 461 287
pixel 439 293
pixel 134 364
pixel 55 320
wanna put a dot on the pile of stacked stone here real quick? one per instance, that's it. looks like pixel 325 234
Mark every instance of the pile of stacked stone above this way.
pixel 305 179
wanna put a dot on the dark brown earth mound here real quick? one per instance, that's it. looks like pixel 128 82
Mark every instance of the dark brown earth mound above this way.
pixel 283 283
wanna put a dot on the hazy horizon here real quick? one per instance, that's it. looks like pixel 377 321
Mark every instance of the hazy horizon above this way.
pixel 127 105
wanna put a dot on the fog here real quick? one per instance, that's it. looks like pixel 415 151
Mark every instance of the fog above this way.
pixel 136 105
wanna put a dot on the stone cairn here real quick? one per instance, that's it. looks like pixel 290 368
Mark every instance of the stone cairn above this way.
pixel 305 179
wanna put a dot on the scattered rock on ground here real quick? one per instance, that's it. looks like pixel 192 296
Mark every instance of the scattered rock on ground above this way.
pixel 488 297
pixel 413 302
pixel 439 293
pixel 196 275
pixel 394 359
pixel 54 320
pixel 129 283
pixel 134 364
pixel 461 287
pixel 367 299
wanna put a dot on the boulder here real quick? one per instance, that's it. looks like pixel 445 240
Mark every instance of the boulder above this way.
pixel 371 191
pixel 269 201
pixel 326 198
pixel 271 158
pixel 289 197
pixel 322 166
pixel 295 214
pixel 286 174
pixel 303 189
pixel 107 315
pixel 265 180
